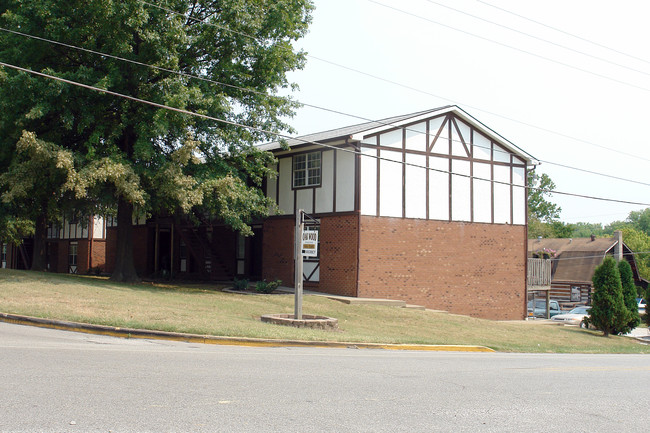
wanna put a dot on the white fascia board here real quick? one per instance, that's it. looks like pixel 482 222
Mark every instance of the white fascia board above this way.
pixel 361 135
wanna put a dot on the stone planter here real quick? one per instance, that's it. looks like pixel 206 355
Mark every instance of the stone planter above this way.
pixel 308 321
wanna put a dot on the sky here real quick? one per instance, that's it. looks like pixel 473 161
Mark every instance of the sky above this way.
pixel 578 101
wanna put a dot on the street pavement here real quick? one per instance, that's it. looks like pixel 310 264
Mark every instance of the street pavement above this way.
pixel 58 381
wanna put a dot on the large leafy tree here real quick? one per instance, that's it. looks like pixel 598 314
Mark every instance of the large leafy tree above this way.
pixel 139 158
pixel 32 188
pixel 539 207
pixel 543 214
pixel 608 312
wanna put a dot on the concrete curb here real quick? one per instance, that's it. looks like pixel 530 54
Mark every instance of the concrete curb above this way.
pixel 228 341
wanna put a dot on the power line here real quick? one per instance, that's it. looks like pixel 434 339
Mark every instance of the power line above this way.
pixel 171 71
pixel 602 59
pixel 530 53
pixel 386 80
pixel 232 123
pixel 573 35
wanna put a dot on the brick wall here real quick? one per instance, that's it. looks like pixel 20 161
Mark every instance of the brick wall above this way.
pixel 82 256
pixel 338 253
pixel 98 258
pixel 111 249
pixel 277 250
pixel 142 255
pixel 62 258
pixel 142 251
pixel 463 268
pixel 339 241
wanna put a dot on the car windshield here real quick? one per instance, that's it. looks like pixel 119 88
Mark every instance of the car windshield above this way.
pixel 579 310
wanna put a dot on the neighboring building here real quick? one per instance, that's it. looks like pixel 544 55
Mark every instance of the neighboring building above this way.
pixel 429 208
pixel 73 246
pixel 574 263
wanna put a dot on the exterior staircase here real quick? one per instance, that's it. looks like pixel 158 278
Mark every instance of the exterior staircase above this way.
pixel 210 261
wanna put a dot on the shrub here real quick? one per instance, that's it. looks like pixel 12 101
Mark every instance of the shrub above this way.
pixel 629 295
pixel 608 312
pixel 240 284
pixel 267 287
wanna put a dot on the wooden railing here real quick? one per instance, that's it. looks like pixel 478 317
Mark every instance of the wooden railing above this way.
pixel 539 272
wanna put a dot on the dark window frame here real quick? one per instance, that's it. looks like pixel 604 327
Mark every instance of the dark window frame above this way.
pixel 307 171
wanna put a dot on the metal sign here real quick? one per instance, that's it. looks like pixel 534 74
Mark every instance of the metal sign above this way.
pixel 310 243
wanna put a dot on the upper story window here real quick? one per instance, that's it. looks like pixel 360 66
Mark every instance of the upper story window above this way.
pixel 306 169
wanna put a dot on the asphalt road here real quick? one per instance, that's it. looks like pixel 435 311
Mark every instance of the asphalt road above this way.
pixel 57 381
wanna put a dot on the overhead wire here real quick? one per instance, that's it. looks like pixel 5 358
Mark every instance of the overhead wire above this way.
pixel 232 123
pixel 512 29
pixel 186 75
pixel 512 47
pixel 393 82
pixel 573 35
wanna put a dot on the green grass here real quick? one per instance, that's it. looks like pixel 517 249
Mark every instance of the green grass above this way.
pixel 204 309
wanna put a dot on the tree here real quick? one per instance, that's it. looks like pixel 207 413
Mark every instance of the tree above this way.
pixel 608 312
pixel 639 243
pixel 539 208
pixel 640 220
pixel 172 162
pixel 584 230
pixel 629 296
pixel 32 189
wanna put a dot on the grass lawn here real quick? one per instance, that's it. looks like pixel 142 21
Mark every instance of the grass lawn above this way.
pixel 204 309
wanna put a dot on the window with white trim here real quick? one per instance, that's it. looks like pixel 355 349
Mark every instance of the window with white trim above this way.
pixel 3 258
pixel 72 257
pixel 307 170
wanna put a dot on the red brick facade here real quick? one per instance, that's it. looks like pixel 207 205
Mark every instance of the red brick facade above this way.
pixel 141 246
pixel 339 243
pixel 464 268
pixel 277 250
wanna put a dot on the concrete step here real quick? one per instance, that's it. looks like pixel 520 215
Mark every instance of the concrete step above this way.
pixel 415 307
pixel 367 301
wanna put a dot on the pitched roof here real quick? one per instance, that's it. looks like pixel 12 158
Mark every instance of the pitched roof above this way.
pixel 577 258
pixel 348 132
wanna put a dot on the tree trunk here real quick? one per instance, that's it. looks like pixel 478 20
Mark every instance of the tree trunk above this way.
pixel 39 255
pixel 124 265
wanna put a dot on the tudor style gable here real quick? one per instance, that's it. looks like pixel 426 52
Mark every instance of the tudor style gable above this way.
pixel 442 168
pixel 439 164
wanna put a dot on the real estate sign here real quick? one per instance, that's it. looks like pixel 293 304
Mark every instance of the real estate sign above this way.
pixel 310 243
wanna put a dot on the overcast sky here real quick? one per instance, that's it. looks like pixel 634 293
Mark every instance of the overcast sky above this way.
pixel 560 105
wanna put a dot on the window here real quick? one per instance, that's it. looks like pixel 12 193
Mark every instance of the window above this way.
pixel 306 169
pixel 3 258
pixel 72 257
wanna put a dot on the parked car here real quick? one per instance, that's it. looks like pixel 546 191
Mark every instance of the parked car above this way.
pixel 540 308
pixel 641 303
pixel 573 317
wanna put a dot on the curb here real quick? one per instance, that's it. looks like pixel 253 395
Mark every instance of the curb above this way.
pixel 113 331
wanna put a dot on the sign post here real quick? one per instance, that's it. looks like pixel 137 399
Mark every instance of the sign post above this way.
pixel 300 226
pixel 306 245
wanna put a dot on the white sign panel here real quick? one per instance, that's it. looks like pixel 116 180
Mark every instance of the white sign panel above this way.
pixel 310 243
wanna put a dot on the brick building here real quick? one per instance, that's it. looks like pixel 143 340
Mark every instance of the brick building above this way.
pixel 574 262
pixel 75 246
pixel 429 208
